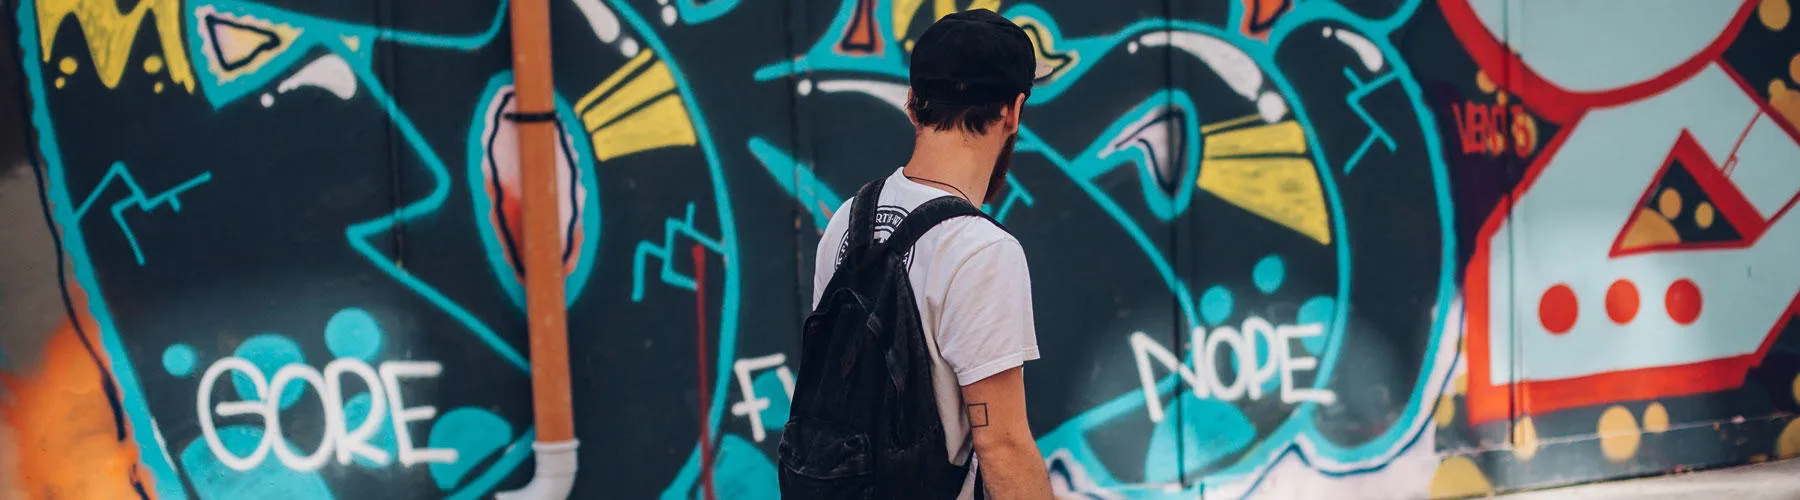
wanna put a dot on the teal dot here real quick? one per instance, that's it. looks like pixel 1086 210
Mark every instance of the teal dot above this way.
pixel 353 333
pixel 1316 310
pixel 1215 305
pixel 269 352
pixel 1269 273
pixel 178 360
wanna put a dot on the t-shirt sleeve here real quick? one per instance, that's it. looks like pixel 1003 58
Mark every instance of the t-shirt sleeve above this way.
pixel 986 327
pixel 825 260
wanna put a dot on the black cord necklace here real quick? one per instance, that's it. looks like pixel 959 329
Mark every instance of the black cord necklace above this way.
pixel 941 183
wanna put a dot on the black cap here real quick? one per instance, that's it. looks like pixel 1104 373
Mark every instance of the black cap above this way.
pixel 972 57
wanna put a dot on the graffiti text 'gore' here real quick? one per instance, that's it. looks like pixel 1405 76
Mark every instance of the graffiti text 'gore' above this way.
pixel 384 386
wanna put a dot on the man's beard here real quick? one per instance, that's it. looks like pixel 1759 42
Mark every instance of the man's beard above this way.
pixel 1001 165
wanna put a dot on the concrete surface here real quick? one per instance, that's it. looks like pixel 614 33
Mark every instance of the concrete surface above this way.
pixel 1765 481
pixel 31 306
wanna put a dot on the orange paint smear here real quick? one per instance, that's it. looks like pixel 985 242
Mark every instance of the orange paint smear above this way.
pixel 63 440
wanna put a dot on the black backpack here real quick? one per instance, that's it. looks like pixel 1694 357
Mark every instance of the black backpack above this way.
pixel 864 422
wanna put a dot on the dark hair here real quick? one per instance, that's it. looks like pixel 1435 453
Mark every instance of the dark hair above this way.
pixel 974 118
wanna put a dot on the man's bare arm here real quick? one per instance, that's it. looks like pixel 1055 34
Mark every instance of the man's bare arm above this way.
pixel 1010 463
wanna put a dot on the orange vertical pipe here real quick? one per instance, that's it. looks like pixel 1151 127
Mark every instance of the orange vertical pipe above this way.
pixel 545 308
pixel 545 304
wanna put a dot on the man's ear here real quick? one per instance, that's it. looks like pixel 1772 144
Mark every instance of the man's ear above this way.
pixel 1015 115
pixel 910 116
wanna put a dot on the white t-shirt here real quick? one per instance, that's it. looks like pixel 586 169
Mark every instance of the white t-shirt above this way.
pixel 974 295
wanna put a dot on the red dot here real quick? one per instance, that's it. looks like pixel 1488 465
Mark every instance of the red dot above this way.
pixel 1683 301
pixel 1557 309
pixel 1622 301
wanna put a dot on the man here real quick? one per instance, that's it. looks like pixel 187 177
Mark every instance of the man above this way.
pixel 970 75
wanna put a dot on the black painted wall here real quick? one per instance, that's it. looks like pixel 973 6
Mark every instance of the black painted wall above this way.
pixel 1351 223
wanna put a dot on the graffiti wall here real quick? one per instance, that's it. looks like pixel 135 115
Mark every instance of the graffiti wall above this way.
pixel 1281 249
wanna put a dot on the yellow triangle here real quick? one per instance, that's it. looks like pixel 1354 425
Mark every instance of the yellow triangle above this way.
pixel 632 110
pixel 661 124
pixel 648 85
pixel 1284 190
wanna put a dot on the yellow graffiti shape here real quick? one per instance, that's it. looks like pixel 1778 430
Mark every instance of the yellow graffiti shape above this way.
pixel 904 10
pixel 1525 132
pixel 1446 410
pixel 1703 215
pixel 1787 445
pixel 1656 418
pixel 1051 63
pixel 1525 439
pixel 1669 203
pixel 1647 229
pixel 1797 388
pixel 1458 477
pixel 1774 14
pixel 903 15
pixel 110 32
pixel 1619 434
pixel 1785 100
pixel 943 8
pixel 1262 168
pixel 1280 138
pixel 635 109
pixel 1283 190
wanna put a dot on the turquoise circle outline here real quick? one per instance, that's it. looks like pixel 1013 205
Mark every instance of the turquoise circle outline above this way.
pixel 483 205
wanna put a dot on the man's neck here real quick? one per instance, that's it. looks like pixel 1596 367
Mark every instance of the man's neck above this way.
pixel 953 158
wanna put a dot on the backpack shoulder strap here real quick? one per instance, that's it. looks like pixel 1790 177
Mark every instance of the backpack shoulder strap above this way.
pixel 931 214
pixel 861 232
